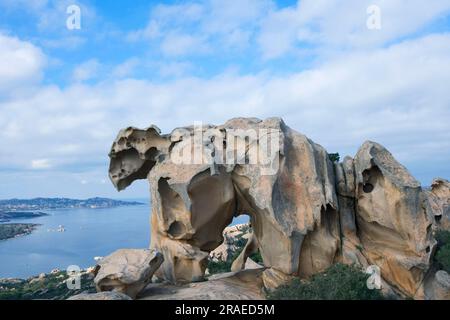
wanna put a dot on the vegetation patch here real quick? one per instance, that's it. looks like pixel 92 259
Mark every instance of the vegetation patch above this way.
pixel 334 157
pixel 339 282
pixel 51 287
pixel 215 267
pixel 442 256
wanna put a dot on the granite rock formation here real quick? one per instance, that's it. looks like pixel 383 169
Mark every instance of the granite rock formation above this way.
pixel 306 212
pixel 230 244
pixel 242 285
pixel 127 271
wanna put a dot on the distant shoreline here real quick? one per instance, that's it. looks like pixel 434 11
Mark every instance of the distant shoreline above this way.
pixel 14 230
pixel 6 216
pixel 19 205
pixel 26 209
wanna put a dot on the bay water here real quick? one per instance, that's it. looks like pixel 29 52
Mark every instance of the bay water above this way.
pixel 88 233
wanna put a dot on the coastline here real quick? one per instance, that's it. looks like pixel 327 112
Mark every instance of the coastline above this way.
pixel 10 231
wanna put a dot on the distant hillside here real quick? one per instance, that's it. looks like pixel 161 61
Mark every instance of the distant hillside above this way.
pixel 62 203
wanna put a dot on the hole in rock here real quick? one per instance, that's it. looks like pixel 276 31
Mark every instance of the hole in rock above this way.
pixel 177 229
pixel 138 168
pixel 122 141
pixel 240 220
pixel 427 249
pixel 371 178
pixel 368 187
pixel 438 218
pixel 235 239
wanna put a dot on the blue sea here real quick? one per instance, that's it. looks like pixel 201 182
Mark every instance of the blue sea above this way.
pixel 88 233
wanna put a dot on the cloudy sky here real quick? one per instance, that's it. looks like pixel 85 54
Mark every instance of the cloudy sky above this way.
pixel 65 93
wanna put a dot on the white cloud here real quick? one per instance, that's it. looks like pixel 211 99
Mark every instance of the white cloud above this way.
pixel 179 44
pixel 151 31
pixel 51 15
pixel 27 5
pixel 174 69
pixel 67 43
pixel 361 87
pixel 178 13
pixel 126 68
pixel 21 63
pixel 201 27
pixel 342 24
pixel 224 17
pixel 86 71
pixel 397 96
pixel 40 164
pixel 279 33
pixel 321 24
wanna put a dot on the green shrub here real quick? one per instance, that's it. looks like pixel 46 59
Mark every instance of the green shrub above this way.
pixel 240 243
pixel 334 157
pixel 257 257
pixel 52 287
pixel 218 267
pixel 339 282
pixel 443 237
pixel 442 256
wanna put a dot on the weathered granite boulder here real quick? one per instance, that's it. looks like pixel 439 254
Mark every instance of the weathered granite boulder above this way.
pixel 306 212
pixel 127 271
pixel 394 225
pixel 441 286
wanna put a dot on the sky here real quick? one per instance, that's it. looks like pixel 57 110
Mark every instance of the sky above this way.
pixel 340 71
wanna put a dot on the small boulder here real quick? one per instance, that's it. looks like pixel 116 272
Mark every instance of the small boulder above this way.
pixel 127 271
pixel 441 285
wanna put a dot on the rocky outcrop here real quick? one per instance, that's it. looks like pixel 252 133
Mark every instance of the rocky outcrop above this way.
pixel 393 223
pixel 243 285
pixel 306 212
pixel 232 236
pixel 439 197
pixel 127 271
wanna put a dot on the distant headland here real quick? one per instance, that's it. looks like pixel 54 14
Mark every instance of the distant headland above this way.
pixel 13 205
